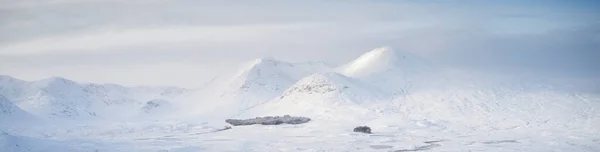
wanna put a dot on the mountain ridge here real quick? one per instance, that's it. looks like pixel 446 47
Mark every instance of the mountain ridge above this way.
pixel 60 97
pixel 255 82
pixel 375 85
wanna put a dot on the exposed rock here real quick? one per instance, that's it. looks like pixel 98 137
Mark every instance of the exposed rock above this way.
pixel 268 120
pixel 222 129
pixel 363 129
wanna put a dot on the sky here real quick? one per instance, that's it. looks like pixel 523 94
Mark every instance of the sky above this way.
pixel 187 42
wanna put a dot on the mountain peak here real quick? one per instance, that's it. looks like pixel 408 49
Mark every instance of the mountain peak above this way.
pixel 268 61
pixel 384 59
pixel 55 82
pixel 262 66
pixel 56 79
pixel 382 52
pixel 6 79
pixel 381 55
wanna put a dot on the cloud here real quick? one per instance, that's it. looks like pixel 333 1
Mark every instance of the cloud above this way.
pixel 101 40
pixel 543 37
pixel 564 52
pixel 149 74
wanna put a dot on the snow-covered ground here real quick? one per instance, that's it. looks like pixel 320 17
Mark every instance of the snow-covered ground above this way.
pixel 409 103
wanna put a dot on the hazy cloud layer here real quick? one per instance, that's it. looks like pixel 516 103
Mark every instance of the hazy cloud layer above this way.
pixel 185 43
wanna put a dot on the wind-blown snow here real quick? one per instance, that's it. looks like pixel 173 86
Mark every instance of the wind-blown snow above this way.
pixel 385 59
pixel 410 105
pixel 391 70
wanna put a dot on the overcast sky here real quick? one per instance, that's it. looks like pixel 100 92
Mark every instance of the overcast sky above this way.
pixel 185 43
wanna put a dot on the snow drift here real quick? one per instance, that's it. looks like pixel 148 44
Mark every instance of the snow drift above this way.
pixel 391 70
pixel 386 60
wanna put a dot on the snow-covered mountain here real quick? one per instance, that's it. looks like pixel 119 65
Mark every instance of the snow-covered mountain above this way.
pixel 401 96
pixel 381 81
pixel 387 82
pixel 254 83
pixel 374 78
pixel 59 97
pixel 326 95
pixel 265 77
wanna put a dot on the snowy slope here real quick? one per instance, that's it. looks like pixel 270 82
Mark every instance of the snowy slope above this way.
pixel 429 110
pixel 58 97
pixel 326 95
pixel 10 143
pixel 16 143
pixel 335 86
pixel 9 111
pixel 157 108
pixel 499 103
pixel 254 83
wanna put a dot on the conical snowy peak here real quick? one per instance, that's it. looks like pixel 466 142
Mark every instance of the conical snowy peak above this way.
pixel 262 71
pixel 272 74
pixel 384 59
pixel 265 62
pixel 272 63
pixel 256 82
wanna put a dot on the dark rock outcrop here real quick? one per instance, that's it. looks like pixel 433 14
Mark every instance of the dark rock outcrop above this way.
pixel 268 120
pixel 363 129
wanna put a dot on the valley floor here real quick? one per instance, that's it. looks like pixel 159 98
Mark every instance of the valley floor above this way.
pixel 317 135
